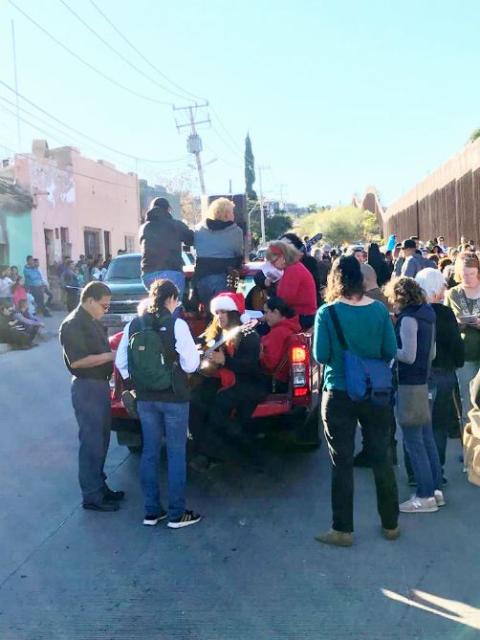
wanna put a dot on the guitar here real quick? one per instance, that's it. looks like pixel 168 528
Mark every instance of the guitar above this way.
pixel 316 238
pixel 206 364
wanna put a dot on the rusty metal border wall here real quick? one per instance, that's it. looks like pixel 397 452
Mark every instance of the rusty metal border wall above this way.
pixel 446 203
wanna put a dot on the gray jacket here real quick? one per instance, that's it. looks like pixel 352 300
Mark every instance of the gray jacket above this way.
pixel 219 246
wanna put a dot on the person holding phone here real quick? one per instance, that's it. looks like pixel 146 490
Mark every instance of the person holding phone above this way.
pixel 464 300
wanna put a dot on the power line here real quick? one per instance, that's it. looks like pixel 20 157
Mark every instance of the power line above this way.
pixel 144 58
pixel 84 62
pixel 84 135
pixel 237 150
pixel 118 53
pixel 75 173
pixel 225 142
pixel 233 150
pixel 235 143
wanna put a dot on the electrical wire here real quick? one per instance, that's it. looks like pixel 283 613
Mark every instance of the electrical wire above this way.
pixel 85 62
pixel 117 53
pixel 234 151
pixel 237 149
pixel 144 58
pixel 235 143
pixel 75 173
pixel 225 142
pixel 84 135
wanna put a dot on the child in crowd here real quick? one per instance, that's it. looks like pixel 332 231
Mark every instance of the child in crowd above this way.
pixel 5 285
pixel 28 321
pixel 18 292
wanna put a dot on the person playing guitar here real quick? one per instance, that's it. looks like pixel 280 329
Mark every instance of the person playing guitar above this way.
pixel 222 405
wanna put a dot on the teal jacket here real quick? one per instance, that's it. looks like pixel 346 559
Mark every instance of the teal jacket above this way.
pixel 368 332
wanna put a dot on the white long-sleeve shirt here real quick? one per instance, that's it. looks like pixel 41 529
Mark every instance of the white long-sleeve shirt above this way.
pixel 184 345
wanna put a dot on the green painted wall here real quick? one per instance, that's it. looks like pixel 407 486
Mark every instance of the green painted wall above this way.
pixel 19 234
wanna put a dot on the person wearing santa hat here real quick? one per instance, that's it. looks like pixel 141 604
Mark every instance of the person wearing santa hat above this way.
pixel 222 406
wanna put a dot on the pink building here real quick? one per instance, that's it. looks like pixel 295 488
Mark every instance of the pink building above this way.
pixel 81 206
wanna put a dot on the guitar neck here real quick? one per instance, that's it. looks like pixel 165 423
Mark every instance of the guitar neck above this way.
pixel 229 335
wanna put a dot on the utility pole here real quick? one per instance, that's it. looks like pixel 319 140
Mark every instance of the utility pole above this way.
pixel 15 76
pixel 282 199
pixel 194 142
pixel 262 213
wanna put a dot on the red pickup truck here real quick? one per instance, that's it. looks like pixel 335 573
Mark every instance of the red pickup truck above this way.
pixel 296 410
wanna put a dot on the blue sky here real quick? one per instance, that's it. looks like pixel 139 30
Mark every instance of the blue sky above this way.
pixel 336 95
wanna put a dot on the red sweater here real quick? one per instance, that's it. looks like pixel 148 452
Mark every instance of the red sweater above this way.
pixel 274 347
pixel 297 288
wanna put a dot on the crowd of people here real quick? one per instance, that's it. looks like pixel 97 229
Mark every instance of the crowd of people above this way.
pixel 22 298
pixel 26 295
pixel 397 330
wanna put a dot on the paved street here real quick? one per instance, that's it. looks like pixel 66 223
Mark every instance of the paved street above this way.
pixel 251 570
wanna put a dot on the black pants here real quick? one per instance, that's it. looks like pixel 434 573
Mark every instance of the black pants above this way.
pixel 219 420
pixel 340 417
pixel 15 338
pixel 38 296
pixel 91 402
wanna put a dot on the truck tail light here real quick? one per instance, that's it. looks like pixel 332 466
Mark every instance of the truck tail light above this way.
pixel 299 355
pixel 299 377
pixel 299 371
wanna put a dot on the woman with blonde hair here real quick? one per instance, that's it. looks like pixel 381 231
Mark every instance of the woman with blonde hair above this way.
pixel 219 247
pixel 464 301
pixel 296 287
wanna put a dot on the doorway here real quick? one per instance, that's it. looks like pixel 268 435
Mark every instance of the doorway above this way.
pixel 92 243
pixel 106 244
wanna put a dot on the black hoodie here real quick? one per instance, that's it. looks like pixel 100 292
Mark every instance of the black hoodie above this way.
pixel 161 240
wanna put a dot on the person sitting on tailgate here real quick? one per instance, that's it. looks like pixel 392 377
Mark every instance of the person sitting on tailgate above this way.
pixel 309 262
pixel 233 384
pixel 283 323
pixel 296 286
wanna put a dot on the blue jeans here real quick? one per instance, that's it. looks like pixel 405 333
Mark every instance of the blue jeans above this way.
pixel 91 402
pixel 210 286
pixel 169 420
pixel 177 277
pixel 422 451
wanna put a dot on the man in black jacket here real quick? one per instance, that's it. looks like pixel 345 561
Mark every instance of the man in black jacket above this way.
pixel 161 239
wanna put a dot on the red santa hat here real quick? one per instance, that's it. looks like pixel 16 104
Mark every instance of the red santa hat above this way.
pixel 229 301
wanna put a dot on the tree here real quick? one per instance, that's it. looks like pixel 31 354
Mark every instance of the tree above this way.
pixel 371 227
pixel 339 226
pixel 275 226
pixel 475 135
pixel 249 169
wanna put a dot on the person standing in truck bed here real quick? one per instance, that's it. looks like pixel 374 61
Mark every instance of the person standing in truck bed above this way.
pixel 161 239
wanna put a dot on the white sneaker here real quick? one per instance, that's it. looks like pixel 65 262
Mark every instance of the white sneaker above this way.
pixel 419 505
pixel 439 498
